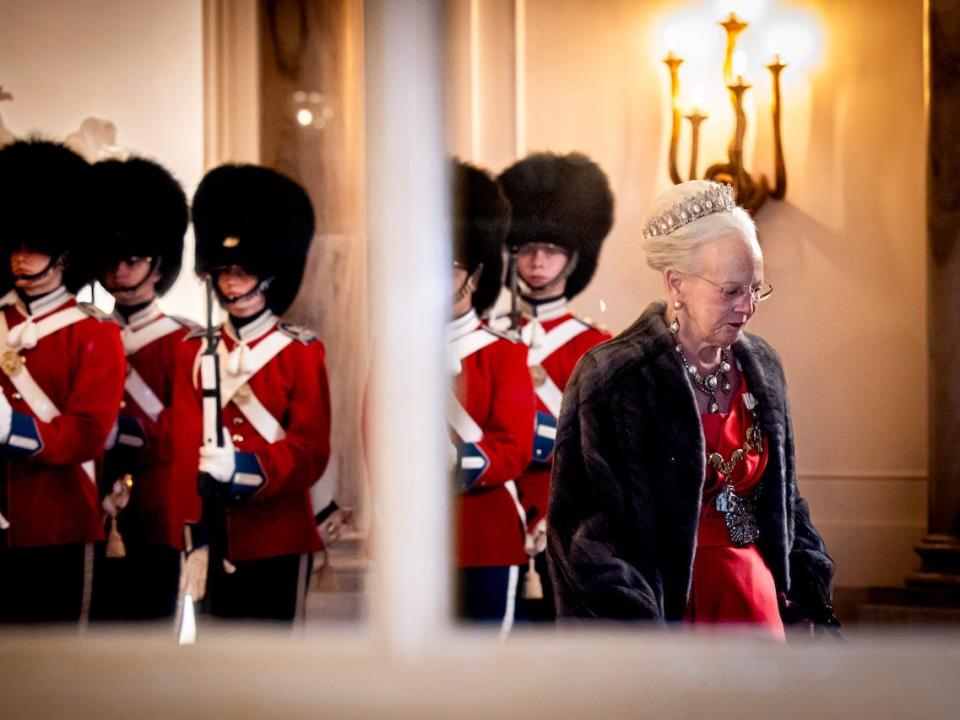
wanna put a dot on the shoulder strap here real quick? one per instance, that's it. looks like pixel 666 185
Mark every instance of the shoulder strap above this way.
pixel 555 339
pixel 262 420
pixel 134 340
pixel 459 419
pixel 257 358
pixel 297 332
pixel 33 395
pixel 52 323
pixel 142 394
pixel 550 394
pixel 470 343
pixel 91 310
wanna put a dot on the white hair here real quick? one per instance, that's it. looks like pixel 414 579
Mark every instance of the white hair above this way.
pixel 680 249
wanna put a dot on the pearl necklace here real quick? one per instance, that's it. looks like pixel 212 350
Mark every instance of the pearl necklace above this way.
pixel 708 384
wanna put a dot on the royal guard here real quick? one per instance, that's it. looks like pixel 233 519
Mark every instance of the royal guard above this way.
pixel 253 229
pixel 491 409
pixel 140 220
pixel 60 387
pixel 562 211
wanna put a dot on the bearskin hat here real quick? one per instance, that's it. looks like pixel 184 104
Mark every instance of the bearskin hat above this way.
pixel 564 200
pixel 481 219
pixel 141 212
pixel 256 218
pixel 45 205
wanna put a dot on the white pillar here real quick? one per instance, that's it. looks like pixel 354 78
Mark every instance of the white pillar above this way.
pixel 410 299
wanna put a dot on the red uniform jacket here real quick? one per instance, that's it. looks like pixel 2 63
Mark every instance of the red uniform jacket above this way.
pixel 48 495
pixel 277 516
pixel 553 354
pixel 144 448
pixel 493 389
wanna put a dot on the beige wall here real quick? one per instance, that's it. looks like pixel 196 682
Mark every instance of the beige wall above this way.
pixel 845 251
pixel 136 64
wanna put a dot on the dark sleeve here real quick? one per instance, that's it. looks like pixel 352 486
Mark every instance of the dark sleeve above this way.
pixel 595 574
pixel 811 569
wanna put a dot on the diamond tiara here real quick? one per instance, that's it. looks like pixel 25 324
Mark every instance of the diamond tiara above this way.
pixel 717 198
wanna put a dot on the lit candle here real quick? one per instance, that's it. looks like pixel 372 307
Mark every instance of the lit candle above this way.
pixel 670 40
pixel 751 9
pixel 739 65
pixel 699 93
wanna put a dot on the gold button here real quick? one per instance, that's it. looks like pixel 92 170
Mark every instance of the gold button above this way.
pixel 238 438
pixel 238 421
pixel 123 404
pixel 17 396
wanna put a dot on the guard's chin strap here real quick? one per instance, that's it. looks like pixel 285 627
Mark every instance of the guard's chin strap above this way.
pixel 113 289
pixel 261 287
pixel 58 261
pixel 526 288
pixel 469 285
pixel 536 302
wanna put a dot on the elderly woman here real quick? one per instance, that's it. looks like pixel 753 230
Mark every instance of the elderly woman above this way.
pixel 674 489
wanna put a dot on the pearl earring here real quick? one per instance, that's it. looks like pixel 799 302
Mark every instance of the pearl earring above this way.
pixel 677 305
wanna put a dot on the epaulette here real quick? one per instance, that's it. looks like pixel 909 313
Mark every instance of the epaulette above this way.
pixel 91 310
pixel 591 324
pixel 200 331
pixel 297 332
pixel 187 323
pixel 503 334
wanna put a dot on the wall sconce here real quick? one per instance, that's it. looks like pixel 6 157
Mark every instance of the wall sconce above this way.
pixel 750 192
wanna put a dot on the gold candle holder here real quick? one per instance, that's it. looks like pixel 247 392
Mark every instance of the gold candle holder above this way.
pixel 780 170
pixel 733 26
pixel 750 193
pixel 696 118
pixel 673 63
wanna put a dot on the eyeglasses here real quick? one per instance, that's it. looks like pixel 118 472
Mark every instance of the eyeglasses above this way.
pixel 530 249
pixel 234 271
pixel 733 294
pixel 134 260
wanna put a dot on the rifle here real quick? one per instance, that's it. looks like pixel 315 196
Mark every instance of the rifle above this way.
pixel 514 290
pixel 213 493
pixel 210 382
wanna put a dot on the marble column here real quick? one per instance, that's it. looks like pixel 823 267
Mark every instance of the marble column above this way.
pixel 312 128
pixel 940 549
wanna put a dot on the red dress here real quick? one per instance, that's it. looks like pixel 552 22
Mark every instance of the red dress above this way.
pixel 731 585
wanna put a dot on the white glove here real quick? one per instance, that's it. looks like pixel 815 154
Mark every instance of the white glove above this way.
pixel 536 540
pixel 334 525
pixel 118 498
pixel 218 462
pixel 193 576
pixel 453 457
pixel 6 417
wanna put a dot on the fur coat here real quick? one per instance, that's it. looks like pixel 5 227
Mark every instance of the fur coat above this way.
pixel 628 475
